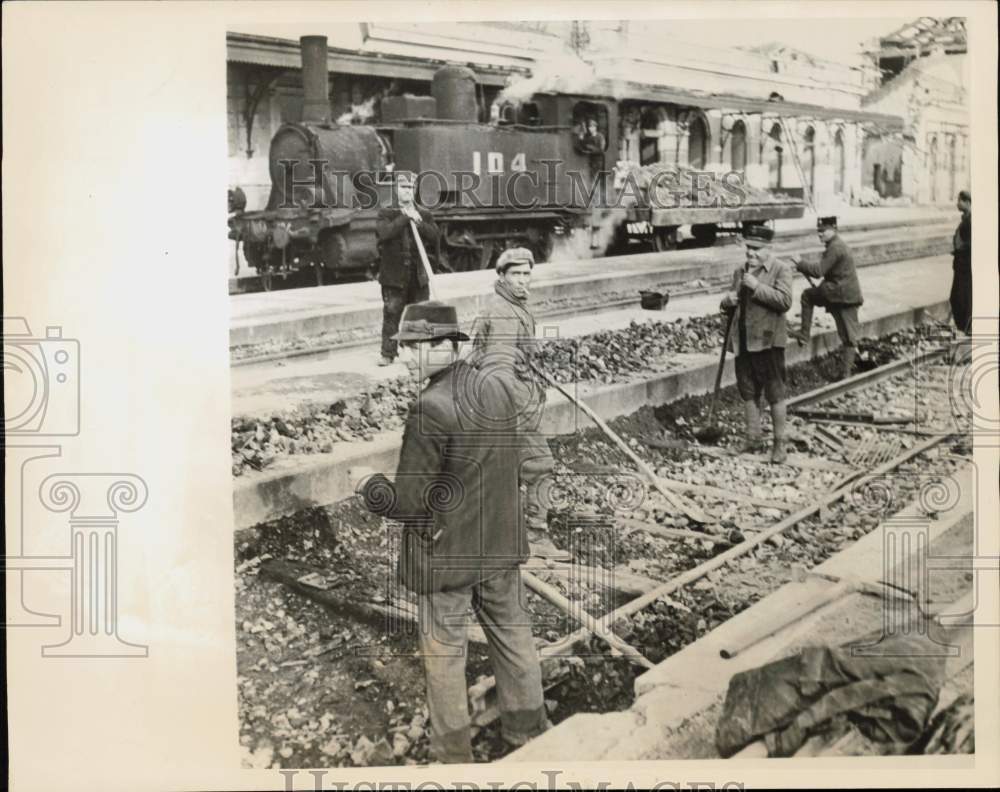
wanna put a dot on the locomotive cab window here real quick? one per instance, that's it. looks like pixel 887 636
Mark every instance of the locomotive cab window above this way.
pixel 590 127
pixel 529 115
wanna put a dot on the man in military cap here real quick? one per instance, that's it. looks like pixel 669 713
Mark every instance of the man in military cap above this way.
pixel 839 292
pixel 401 272
pixel 505 345
pixel 462 544
pixel 761 295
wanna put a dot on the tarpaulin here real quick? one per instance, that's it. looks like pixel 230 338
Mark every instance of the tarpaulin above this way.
pixel 888 697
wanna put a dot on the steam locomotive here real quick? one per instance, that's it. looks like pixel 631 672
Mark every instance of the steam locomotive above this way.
pixel 529 177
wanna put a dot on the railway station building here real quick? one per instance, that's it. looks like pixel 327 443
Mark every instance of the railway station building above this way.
pixel 792 123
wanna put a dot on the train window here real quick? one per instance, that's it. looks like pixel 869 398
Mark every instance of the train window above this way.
pixel 529 115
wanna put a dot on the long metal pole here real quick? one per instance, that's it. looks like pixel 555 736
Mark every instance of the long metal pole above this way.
pixel 423 259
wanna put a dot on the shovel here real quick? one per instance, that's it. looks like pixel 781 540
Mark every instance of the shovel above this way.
pixel 712 432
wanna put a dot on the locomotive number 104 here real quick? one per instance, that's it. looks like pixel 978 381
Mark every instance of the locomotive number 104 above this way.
pixel 494 162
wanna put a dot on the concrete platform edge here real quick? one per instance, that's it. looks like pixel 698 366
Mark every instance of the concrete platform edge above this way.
pixel 363 322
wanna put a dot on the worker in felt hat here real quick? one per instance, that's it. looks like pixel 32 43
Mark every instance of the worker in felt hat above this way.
pixel 761 295
pixel 505 346
pixel 401 272
pixel 461 545
pixel 839 292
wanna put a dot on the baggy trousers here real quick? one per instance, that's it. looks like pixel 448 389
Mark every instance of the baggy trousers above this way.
pixel 394 300
pixel 961 295
pixel 498 604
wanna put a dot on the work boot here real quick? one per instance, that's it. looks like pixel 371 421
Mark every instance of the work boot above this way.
pixel 753 444
pixel 800 336
pixel 539 543
pixel 384 361
pixel 778 452
pixel 847 362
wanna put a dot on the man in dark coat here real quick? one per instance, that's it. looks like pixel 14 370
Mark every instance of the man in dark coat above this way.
pixel 761 296
pixel 839 293
pixel 401 272
pixel 505 344
pixel 961 264
pixel 456 492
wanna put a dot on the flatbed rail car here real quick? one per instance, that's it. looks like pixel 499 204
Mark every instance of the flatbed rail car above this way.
pixel 660 226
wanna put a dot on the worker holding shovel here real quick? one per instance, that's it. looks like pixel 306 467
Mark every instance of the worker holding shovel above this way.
pixel 505 347
pixel 761 296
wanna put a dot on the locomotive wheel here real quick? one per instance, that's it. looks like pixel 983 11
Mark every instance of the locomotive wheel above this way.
pixel 542 245
pixel 333 254
pixel 664 239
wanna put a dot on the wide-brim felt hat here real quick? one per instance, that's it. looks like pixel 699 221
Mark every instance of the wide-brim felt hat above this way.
pixel 826 222
pixel 430 320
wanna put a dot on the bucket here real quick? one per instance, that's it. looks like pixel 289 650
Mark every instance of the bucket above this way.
pixel 653 301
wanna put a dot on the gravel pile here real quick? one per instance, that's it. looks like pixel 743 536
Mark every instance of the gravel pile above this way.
pixel 608 356
pixel 605 357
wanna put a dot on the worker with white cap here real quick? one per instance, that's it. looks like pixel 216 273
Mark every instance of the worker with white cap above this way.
pixel 505 346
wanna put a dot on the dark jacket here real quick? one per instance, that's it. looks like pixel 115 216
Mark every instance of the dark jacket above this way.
pixel 399 259
pixel 962 244
pixel 457 479
pixel 766 307
pixel 505 329
pixel 840 277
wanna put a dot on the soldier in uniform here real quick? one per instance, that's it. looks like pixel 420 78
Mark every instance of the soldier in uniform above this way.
pixel 401 272
pixel 462 543
pixel 961 264
pixel 839 293
pixel 505 345
pixel 761 296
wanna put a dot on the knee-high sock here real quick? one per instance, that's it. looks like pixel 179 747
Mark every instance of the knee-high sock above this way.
pixel 807 316
pixel 752 413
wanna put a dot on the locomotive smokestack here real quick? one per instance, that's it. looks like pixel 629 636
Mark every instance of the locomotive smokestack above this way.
pixel 316 109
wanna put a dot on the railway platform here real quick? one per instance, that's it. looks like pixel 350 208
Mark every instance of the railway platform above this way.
pixel 351 314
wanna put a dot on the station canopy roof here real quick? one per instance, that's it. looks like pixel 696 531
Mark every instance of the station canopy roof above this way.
pixel 286 54
pixel 746 104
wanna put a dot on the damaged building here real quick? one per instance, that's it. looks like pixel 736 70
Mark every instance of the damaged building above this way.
pixel 922 70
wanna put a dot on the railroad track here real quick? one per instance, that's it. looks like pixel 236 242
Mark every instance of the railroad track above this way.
pixel 315 347
pixel 874 449
pixel 845 459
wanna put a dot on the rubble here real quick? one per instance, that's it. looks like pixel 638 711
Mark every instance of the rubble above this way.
pixel 298 663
